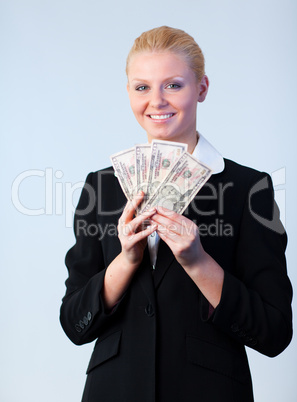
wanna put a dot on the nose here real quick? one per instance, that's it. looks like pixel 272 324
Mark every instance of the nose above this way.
pixel 158 99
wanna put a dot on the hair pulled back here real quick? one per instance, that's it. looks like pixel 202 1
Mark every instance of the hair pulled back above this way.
pixel 167 39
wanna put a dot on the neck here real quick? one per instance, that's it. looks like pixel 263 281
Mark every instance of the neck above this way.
pixel 192 146
pixel 191 143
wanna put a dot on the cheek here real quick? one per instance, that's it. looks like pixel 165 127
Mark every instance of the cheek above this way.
pixel 190 105
pixel 137 105
pixel 187 103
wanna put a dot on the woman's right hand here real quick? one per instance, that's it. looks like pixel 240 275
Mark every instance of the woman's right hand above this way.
pixel 133 237
pixel 133 231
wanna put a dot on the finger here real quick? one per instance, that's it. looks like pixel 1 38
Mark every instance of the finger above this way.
pixel 166 223
pixel 168 213
pixel 174 221
pixel 138 220
pixel 165 232
pixel 131 207
pixel 137 237
pixel 137 224
pixel 169 240
pixel 173 216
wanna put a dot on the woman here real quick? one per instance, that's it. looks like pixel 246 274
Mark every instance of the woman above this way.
pixel 176 332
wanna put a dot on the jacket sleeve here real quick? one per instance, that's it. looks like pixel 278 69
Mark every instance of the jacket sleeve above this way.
pixel 82 313
pixel 255 306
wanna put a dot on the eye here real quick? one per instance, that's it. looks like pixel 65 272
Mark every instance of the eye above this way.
pixel 173 86
pixel 141 88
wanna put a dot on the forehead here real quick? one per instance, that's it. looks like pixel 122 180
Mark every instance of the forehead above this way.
pixel 155 64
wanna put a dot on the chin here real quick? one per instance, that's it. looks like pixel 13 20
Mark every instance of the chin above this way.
pixel 165 136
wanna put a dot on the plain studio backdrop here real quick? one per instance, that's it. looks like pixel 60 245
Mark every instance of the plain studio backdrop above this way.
pixel 64 111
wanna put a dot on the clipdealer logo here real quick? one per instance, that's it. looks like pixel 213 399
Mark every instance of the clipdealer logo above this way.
pixel 59 197
pixel 275 223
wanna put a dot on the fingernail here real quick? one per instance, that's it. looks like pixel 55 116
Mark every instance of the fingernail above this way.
pixel 152 210
pixel 161 228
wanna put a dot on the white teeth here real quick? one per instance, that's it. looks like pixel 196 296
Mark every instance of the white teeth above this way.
pixel 161 116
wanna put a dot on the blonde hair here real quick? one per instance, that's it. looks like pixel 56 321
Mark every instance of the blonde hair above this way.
pixel 167 39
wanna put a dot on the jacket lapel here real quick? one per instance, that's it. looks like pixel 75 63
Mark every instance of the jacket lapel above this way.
pixel 165 258
pixel 204 201
pixel 145 277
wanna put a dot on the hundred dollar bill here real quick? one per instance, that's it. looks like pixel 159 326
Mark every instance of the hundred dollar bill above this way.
pixel 164 154
pixel 124 165
pixel 181 185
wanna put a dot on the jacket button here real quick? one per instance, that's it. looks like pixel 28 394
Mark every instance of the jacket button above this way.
pixel 81 324
pixel 234 327
pixel 78 328
pixel 241 334
pixel 149 310
pixel 89 316
pixel 85 320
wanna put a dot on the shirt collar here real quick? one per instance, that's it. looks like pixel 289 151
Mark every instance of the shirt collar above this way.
pixel 208 155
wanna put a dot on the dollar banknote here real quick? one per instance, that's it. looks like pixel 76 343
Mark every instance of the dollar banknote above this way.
pixel 164 154
pixel 167 174
pixel 180 186
pixel 142 162
pixel 124 166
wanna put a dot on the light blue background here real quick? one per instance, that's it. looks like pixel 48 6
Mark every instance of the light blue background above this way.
pixel 64 108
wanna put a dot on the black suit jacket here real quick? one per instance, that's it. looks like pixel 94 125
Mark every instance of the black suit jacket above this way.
pixel 160 342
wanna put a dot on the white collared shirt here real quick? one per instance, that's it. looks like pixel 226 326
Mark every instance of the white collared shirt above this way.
pixel 210 157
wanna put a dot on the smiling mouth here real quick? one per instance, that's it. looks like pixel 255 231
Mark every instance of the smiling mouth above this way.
pixel 161 116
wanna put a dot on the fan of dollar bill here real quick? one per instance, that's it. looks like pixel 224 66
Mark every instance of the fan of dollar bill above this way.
pixel 167 174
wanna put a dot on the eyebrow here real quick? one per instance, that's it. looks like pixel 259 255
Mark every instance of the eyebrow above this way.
pixel 166 79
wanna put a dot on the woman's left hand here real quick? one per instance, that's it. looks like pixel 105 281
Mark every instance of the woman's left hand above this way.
pixel 181 235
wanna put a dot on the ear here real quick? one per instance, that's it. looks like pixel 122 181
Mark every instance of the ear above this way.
pixel 128 87
pixel 203 88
